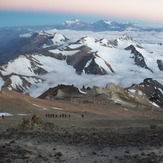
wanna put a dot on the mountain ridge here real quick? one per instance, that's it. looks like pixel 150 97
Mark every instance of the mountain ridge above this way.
pixel 100 25
pixel 82 61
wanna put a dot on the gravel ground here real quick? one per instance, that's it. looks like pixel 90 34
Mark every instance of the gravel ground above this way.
pixel 50 143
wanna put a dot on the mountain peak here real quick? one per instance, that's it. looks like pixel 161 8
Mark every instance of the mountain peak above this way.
pixel 70 22
pixel 124 41
pixel 107 22
pixel 126 37
pixel 87 40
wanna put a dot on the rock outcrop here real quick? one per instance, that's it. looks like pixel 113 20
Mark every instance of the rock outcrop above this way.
pixel 138 57
pixel 160 64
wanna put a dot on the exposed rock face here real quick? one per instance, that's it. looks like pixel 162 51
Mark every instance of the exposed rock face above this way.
pixel 160 64
pixel 32 44
pixel 84 61
pixel 80 59
pixel 95 69
pixel 122 96
pixel 138 57
pixel 39 42
pixel 61 92
pixel 143 96
pixel 152 89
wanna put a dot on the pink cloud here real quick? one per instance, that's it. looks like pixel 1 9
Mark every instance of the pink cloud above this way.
pixel 139 9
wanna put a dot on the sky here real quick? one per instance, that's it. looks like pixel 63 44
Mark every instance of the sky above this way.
pixel 49 12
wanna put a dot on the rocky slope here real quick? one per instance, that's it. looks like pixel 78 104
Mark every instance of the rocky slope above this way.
pixel 34 131
pixel 144 95
pixel 150 88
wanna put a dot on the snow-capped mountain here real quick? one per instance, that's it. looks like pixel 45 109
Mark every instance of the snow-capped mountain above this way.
pixel 122 61
pixel 125 41
pixel 101 25
pixel 56 39
pixel 74 25
pixel 104 25
pixel 32 42
pixel 26 40
pixel 19 83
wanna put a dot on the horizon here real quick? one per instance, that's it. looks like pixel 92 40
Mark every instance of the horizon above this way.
pixel 22 19
pixel 32 13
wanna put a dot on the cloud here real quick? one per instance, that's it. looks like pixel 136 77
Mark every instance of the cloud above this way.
pixel 139 9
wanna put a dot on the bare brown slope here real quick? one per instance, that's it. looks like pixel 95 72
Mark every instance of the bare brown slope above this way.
pixel 17 103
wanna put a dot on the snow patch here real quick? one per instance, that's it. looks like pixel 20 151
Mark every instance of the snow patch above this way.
pixel 1 83
pixel 71 22
pixel 132 90
pixel 82 91
pixel 57 51
pixel 26 35
pixel 154 104
pixel 125 109
pixel 160 90
pixel 16 81
pixel 22 114
pixel 75 46
pixel 108 22
pixel 57 108
pixel 40 107
pixel 6 114
pixel 140 93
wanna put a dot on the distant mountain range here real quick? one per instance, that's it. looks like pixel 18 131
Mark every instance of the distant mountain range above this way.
pixel 101 25
pixel 74 24
pixel 12 45
pixel 44 59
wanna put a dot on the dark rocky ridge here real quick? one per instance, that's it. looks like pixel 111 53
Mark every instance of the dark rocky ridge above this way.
pixel 152 89
pixel 61 92
pixel 94 68
pixel 160 64
pixel 79 60
pixel 138 57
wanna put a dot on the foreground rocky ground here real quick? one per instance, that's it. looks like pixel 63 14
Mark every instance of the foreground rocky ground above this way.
pixel 116 141
pixel 73 132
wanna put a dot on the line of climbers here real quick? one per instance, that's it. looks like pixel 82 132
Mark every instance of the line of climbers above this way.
pixel 60 116
pixel 57 116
